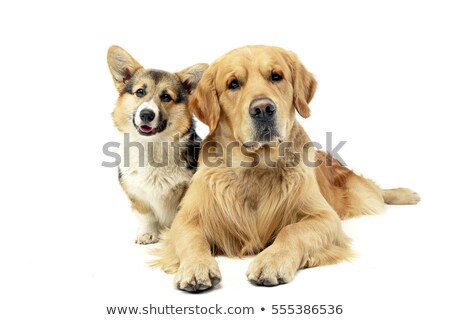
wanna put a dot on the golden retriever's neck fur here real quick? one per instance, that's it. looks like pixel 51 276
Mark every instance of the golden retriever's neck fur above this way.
pixel 245 220
pixel 250 218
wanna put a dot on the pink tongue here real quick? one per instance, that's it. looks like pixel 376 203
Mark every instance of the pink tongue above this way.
pixel 145 128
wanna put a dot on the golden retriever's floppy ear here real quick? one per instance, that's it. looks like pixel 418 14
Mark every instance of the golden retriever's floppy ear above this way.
pixel 204 102
pixel 190 77
pixel 122 66
pixel 304 85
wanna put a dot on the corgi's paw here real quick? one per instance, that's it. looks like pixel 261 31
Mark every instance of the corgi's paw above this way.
pixel 147 238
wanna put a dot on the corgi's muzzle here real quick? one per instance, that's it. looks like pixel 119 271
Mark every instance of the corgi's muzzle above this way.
pixel 148 119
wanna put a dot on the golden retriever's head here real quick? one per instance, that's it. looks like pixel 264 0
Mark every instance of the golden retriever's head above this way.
pixel 251 94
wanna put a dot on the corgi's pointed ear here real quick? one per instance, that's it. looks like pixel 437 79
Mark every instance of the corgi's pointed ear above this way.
pixel 122 66
pixel 304 85
pixel 191 76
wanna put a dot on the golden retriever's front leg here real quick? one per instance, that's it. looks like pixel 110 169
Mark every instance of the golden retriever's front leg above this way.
pixel 198 270
pixel 315 240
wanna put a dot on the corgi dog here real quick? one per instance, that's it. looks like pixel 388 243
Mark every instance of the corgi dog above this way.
pixel 159 146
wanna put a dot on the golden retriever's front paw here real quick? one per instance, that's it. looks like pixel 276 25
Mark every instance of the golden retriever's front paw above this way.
pixel 198 275
pixel 147 238
pixel 271 269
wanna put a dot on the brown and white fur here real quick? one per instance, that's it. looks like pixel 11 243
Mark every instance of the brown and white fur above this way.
pixel 286 211
pixel 161 149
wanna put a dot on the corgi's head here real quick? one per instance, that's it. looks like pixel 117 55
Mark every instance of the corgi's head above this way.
pixel 151 102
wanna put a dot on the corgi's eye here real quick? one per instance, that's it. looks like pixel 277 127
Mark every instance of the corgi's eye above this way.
pixel 140 93
pixel 165 97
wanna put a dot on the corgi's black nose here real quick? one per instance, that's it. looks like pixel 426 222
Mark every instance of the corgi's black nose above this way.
pixel 147 115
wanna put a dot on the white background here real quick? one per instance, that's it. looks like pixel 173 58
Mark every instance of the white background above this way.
pixel 66 231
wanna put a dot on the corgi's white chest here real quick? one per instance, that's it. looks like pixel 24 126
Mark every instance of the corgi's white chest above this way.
pixel 156 180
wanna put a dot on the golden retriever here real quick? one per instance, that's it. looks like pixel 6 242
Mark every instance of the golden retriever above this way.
pixel 261 188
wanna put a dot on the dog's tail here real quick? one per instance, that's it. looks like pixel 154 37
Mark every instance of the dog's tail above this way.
pixel 400 196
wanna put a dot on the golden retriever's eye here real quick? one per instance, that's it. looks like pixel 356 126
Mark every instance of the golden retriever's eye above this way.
pixel 234 85
pixel 140 93
pixel 275 77
pixel 165 97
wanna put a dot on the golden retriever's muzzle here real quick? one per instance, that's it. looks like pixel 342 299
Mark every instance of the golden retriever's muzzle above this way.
pixel 263 113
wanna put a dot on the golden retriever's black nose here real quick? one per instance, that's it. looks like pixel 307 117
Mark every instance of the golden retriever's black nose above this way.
pixel 262 109
pixel 147 115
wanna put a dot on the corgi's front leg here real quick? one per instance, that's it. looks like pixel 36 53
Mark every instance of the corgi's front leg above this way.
pixel 148 226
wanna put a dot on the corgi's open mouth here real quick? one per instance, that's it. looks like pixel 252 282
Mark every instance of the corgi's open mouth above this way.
pixel 146 130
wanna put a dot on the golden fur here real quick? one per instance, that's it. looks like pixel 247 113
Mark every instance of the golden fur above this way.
pixel 286 212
